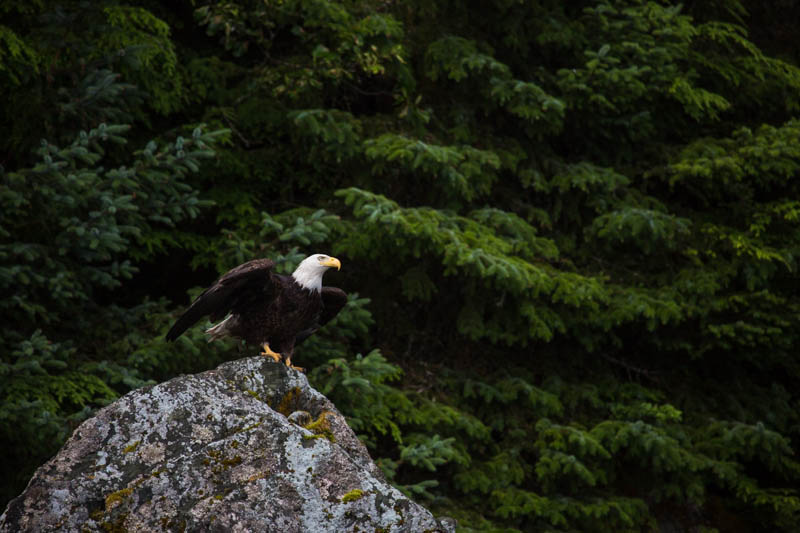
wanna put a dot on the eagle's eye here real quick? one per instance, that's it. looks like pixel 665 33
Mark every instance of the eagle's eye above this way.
pixel 322 258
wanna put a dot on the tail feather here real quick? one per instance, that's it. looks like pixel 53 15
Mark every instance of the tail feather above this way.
pixel 220 330
pixel 179 327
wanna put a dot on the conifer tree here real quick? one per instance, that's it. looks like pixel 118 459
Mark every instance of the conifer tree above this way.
pixel 77 215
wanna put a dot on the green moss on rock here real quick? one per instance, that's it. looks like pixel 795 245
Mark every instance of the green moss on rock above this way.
pixel 132 447
pixel 321 427
pixel 353 495
pixel 254 394
pixel 115 498
pixel 248 428
pixel 288 400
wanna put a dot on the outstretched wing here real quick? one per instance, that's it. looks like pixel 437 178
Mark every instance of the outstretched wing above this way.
pixel 249 281
pixel 333 300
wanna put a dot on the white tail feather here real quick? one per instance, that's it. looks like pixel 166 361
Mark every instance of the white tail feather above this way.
pixel 220 330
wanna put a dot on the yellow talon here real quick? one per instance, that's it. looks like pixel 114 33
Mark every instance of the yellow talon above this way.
pixel 290 365
pixel 267 352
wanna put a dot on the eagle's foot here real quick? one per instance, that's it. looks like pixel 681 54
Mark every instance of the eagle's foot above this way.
pixel 290 365
pixel 269 353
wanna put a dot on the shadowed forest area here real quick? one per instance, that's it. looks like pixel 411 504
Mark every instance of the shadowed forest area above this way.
pixel 570 233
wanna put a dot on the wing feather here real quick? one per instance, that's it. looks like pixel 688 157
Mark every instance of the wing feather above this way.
pixel 333 300
pixel 247 281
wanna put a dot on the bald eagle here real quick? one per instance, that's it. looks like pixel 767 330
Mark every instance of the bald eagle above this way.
pixel 267 309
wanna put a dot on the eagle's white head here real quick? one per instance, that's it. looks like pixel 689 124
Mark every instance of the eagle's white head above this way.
pixel 308 273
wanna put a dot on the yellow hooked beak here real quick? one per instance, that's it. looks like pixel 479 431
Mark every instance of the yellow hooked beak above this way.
pixel 332 262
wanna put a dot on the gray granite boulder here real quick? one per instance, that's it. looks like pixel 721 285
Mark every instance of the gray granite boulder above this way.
pixel 249 446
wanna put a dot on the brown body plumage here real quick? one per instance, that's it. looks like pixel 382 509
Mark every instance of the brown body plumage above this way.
pixel 267 309
pixel 292 310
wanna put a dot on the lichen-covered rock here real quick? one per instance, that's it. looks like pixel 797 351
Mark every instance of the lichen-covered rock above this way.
pixel 249 446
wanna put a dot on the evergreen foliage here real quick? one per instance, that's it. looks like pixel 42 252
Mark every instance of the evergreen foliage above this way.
pixel 569 231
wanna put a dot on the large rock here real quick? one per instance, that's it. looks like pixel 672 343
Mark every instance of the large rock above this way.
pixel 249 446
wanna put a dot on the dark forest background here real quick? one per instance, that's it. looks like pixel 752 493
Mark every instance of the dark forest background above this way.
pixel 570 232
